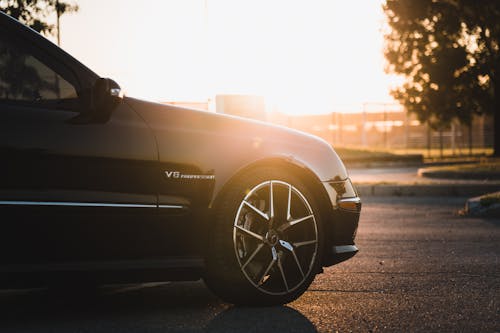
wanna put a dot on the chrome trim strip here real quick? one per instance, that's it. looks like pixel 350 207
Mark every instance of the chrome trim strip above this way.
pixel 85 204
pixel 345 249
pixel 171 206
pixel 355 200
pixel 342 203
pixel 334 181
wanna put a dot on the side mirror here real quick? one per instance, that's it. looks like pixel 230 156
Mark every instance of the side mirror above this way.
pixel 106 96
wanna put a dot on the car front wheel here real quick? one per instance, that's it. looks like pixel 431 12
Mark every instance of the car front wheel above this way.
pixel 266 240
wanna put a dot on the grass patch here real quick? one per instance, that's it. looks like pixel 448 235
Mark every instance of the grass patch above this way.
pixel 484 170
pixel 352 155
pixel 435 153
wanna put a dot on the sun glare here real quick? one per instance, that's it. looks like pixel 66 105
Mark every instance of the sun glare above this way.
pixel 302 56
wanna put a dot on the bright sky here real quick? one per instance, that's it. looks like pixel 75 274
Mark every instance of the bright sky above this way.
pixel 304 56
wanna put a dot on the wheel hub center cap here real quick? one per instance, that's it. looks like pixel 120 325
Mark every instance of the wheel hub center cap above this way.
pixel 272 238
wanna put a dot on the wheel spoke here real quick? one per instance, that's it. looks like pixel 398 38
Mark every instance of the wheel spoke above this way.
pixel 271 200
pixel 289 247
pixel 253 255
pixel 283 273
pixel 271 264
pixel 299 244
pixel 256 210
pixel 289 204
pixel 288 224
pixel 250 233
pixel 274 253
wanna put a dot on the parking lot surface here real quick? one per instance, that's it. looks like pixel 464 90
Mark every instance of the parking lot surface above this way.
pixel 421 267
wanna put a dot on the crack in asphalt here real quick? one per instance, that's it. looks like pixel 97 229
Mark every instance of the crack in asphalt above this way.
pixel 350 291
pixel 454 273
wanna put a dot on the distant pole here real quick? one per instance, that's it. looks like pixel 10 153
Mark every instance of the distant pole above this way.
pixel 453 133
pixel 441 143
pixel 385 125
pixel 470 139
pixel 205 12
pixel 407 130
pixel 363 127
pixel 333 128
pixel 58 13
pixel 428 140
pixel 206 38
pixel 340 124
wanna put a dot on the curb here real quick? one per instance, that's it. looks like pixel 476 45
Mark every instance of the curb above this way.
pixel 482 175
pixel 474 207
pixel 426 190
pixel 371 164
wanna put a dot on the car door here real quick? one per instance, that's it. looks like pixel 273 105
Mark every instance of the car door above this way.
pixel 69 190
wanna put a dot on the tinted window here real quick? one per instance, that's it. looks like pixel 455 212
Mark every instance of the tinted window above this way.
pixel 24 78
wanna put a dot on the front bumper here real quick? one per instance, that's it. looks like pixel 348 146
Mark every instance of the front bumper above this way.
pixel 342 224
pixel 342 253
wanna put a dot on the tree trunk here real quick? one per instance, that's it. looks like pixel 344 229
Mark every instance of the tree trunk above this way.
pixel 428 141
pixel 496 126
pixel 441 143
pixel 496 114
pixel 470 138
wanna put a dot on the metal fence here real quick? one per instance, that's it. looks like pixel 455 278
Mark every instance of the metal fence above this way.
pixel 376 125
pixel 390 129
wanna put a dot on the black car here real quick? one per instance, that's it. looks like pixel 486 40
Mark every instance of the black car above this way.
pixel 99 187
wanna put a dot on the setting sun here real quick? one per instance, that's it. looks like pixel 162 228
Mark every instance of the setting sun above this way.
pixel 302 56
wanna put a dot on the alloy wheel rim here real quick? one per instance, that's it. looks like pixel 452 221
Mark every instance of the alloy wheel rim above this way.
pixel 275 237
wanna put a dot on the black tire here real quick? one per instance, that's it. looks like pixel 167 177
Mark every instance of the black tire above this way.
pixel 262 253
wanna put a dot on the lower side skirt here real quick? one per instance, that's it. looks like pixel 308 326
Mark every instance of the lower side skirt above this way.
pixel 125 271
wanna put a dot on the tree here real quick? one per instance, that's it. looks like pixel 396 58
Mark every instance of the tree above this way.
pixel 36 13
pixel 449 53
pixel 24 80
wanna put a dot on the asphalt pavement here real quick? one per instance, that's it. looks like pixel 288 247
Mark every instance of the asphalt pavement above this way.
pixel 421 267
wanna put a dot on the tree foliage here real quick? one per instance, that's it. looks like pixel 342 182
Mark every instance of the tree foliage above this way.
pixel 36 13
pixel 449 53
pixel 18 77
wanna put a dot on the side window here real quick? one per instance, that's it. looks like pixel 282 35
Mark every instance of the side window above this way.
pixel 25 79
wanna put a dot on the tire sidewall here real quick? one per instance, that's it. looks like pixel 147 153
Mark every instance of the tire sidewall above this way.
pixel 224 275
